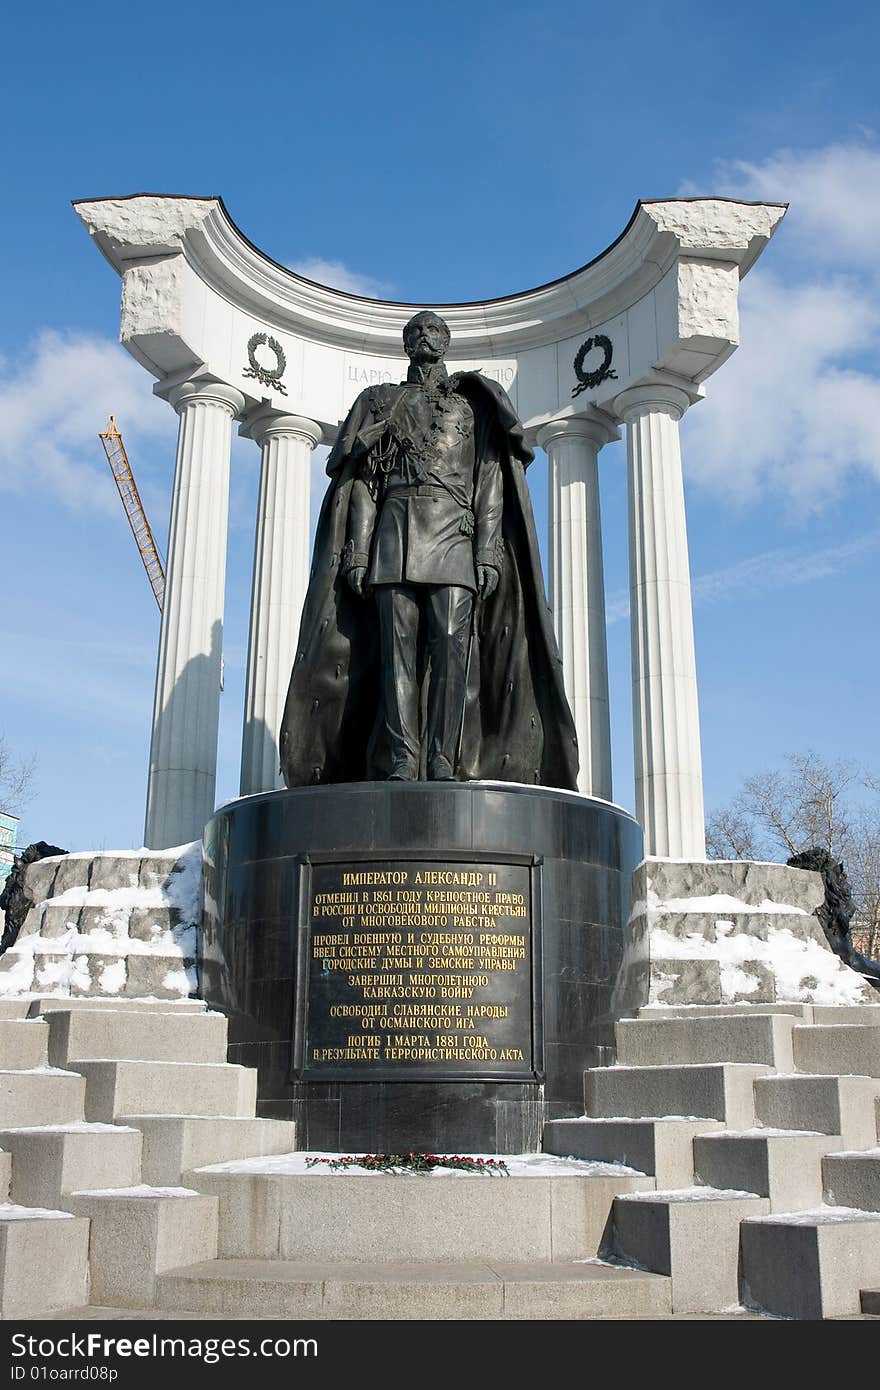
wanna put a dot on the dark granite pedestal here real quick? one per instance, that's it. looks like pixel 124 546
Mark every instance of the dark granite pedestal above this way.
pixel 418 966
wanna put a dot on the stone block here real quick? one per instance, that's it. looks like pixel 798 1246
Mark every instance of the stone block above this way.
pixel 868 1015
pixel 661 1148
pixel 714 1091
pixel 160 977
pixel 50 1163
pixel 786 1168
pixel 40 1098
pixel 73 871
pixel 16 971
pixel 838 1050
pixel 691 1235
pixel 32 922
pixel 103 919
pixel 40 877
pixel 812 1266
pixel 292 1289
pixel 5 1175
pixel 137 1233
pixel 315 1218
pixel 23 1044
pixel 176 1144
pixel 760 1038
pixel 166 1088
pixel 156 870
pixel 852 1180
pixel 51 1003
pixel 44 1262
pixel 148 923
pixel 59 920
pixel 685 981
pixel 108 1034
pixel 752 982
pixel 14 1008
pixel 741 1009
pixel 78 975
pixel 112 871
pixel 841 1105
pixel 752 883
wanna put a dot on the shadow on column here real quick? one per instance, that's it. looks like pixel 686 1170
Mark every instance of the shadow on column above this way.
pixel 179 805
pixel 261 759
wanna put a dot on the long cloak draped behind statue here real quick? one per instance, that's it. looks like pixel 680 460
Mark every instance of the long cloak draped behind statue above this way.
pixel 517 724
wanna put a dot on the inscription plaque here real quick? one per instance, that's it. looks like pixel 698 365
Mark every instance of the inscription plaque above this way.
pixel 419 969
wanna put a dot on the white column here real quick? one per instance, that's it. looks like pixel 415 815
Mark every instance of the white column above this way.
pixel 577 585
pixel 666 722
pixel 186 708
pixel 281 576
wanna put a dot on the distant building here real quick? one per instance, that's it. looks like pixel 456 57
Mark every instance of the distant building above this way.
pixel 8 837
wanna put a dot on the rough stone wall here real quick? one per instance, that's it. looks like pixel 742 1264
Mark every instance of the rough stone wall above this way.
pixel 734 931
pixel 114 925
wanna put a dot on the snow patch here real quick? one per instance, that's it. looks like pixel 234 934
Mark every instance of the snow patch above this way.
pixel 518 1166
pixel 9 1211
pixel 803 969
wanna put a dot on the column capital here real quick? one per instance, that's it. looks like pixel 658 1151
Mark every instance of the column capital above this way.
pixel 212 392
pixel 597 428
pixel 654 396
pixel 264 424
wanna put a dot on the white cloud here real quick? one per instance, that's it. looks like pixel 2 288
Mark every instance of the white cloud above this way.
pixel 54 398
pixel 791 412
pixel 834 194
pixel 797 409
pixel 340 277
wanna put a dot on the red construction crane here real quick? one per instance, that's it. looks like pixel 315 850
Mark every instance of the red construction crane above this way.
pixel 134 509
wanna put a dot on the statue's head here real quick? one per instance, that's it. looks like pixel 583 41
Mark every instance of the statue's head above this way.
pixel 426 337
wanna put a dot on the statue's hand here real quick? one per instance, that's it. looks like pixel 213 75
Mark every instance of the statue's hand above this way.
pixel 355 578
pixel 487 581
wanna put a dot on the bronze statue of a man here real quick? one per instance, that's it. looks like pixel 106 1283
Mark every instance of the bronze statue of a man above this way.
pixel 426 649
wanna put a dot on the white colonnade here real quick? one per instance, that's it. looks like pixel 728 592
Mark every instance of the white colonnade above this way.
pixel 666 722
pixel 576 584
pixel 186 705
pixel 281 576
pixel 627 339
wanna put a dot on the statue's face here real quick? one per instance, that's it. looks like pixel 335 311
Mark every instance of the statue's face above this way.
pixel 426 338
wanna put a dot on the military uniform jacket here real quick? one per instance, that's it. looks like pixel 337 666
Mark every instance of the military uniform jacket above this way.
pixel 517 725
pixel 426 503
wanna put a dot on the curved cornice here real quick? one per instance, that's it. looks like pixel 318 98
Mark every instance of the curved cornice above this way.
pixel 140 228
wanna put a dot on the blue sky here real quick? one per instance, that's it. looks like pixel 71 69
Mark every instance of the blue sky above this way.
pixel 430 154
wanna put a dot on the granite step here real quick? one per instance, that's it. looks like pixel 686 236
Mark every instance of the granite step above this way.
pixel 114 1035
pixel 715 1091
pixel 783 1165
pixel 23 1043
pixel 475 1290
pixel 50 1161
pixel 843 1049
pixel 851 1180
pixel 455 1218
pixel 663 1148
pixel 40 1097
pixel 138 1232
pixel 116 1088
pixel 44 1261
pixel 810 1264
pixel 759 1038
pixel 841 1105
pixel 176 1144
pixel 692 1235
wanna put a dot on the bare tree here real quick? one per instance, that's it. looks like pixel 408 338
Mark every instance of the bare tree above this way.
pixel 782 811
pixel 16 780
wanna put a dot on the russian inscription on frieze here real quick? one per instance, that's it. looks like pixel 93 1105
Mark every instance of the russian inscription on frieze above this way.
pixel 419 969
